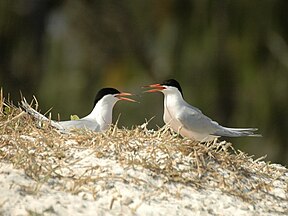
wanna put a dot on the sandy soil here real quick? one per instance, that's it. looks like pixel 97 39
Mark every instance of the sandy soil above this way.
pixel 121 189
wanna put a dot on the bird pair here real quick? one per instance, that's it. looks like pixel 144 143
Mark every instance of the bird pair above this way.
pixel 183 118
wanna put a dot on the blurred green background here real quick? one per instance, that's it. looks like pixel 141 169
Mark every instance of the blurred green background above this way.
pixel 231 58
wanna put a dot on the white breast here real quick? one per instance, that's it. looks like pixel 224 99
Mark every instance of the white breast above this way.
pixel 171 107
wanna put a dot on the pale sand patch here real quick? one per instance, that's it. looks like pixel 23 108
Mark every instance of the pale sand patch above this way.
pixel 123 190
pixel 113 188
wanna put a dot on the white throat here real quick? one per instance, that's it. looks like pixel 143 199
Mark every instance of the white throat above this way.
pixel 102 112
pixel 172 102
pixel 172 99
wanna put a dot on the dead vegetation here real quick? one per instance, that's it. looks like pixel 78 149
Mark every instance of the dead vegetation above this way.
pixel 44 154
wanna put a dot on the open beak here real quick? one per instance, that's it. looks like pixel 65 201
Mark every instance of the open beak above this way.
pixel 155 88
pixel 121 95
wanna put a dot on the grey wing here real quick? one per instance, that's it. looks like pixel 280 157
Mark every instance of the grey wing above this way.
pixel 81 123
pixel 193 119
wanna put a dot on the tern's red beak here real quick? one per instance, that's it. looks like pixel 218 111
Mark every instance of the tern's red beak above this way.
pixel 120 96
pixel 155 87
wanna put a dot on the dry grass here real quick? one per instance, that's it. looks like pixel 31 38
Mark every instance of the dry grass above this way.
pixel 44 152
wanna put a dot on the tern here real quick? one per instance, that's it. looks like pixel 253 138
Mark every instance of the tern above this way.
pixel 98 120
pixel 189 121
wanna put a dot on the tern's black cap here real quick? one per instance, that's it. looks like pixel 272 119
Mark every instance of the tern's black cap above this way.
pixel 104 91
pixel 173 83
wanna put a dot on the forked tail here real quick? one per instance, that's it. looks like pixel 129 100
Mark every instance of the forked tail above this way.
pixel 37 115
pixel 237 132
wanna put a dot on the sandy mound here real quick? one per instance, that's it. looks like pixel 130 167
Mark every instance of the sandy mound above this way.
pixel 137 171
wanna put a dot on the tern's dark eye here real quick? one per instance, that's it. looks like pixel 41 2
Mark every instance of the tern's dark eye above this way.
pixel 105 91
pixel 172 83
